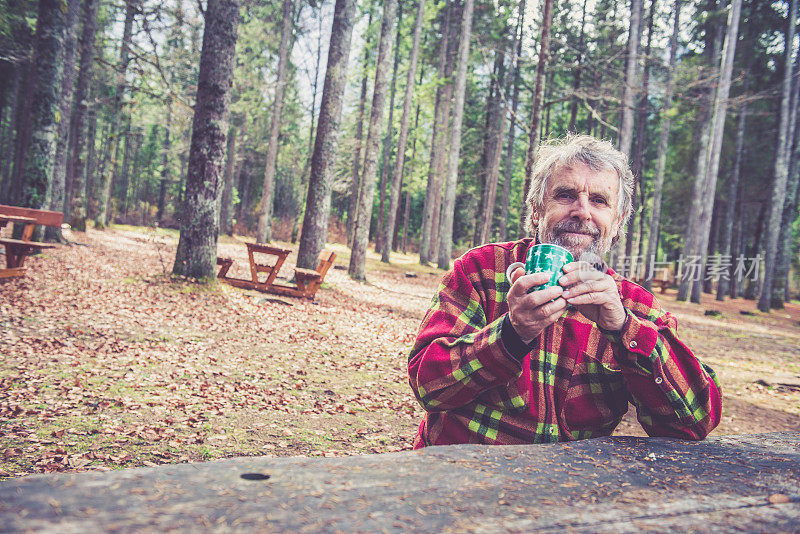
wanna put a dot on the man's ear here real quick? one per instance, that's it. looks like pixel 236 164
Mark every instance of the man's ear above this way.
pixel 534 216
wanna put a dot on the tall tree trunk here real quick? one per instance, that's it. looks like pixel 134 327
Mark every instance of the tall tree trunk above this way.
pixel 733 195
pixel 318 202
pixel 23 133
pixel 637 208
pixel 394 198
pixel 757 247
pixel 386 150
pixel 126 166
pixel 512 126
pixel 536 109
pixel 8 152
pixel 358 256
pixel 356 176
pixel 576 80
pixel 663 142
pixel 717 129
pixel 312 124
pixel 629 91
pixel 77 210
pixel 55 192
pixel 630 87
pixel 441 114
pixel 51 27
pixel 409 196
pixel 492 150
pixel 780 218
pixel 693 249
pixel 165 177
pixel 264 232
pixel 226 204
pixel 737 246
pixel 197 245
pixel 453 156
pixel 107 178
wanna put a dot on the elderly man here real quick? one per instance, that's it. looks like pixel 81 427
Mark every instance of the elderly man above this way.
pixel 496 363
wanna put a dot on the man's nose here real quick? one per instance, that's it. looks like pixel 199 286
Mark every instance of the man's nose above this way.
pixel 580 208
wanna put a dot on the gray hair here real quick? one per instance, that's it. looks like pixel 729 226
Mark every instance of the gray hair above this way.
pixel 597 154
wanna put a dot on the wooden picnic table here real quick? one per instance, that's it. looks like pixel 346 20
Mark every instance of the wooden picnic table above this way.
pixel 742 483
pixel 275 257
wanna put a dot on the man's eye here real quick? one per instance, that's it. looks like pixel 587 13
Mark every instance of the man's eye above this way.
pixel 600 200
pixel 565 195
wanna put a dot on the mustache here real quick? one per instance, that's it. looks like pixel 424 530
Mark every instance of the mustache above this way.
pixel 576 227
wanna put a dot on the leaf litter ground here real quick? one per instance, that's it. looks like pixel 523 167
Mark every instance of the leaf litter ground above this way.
pixel 109 362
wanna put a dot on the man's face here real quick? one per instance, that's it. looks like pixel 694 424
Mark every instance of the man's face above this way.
pixel 580 209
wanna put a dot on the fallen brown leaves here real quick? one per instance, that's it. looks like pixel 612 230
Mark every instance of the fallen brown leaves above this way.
pixel 107 362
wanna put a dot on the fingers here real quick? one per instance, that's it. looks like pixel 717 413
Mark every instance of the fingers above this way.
pixel 579 271
pixel 521 282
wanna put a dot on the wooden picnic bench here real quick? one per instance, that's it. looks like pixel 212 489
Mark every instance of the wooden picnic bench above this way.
pixel 741 483
pixel 268 259
pixel 17 249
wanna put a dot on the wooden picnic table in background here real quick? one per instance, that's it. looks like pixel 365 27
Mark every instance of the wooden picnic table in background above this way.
pixel 307 281
pixel 741 483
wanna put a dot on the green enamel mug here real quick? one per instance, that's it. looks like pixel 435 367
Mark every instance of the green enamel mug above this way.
pixel 544 258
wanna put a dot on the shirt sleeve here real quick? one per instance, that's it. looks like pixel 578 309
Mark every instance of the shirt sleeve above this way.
pixel 458 354
pixel 675 395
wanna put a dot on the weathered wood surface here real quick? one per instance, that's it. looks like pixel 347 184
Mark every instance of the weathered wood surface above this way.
pixel 620 484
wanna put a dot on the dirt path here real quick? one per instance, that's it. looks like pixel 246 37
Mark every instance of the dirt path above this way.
pixel 107 361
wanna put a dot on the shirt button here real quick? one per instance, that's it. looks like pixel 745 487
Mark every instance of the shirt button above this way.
pixel 633 344
pixel 659 380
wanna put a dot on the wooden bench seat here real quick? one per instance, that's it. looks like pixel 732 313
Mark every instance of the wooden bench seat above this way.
pixel 17 249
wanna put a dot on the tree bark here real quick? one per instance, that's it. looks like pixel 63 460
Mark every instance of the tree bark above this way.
pixel 776 258
pixel 630 87
pixel 386 151
pixel 162 189
pixel 358 256
pixel 441 114
pixel 77 176
pixel 109 170
pixel 197 245
pixel 733 195
pixel 717 129
pixel 312 124
pixel 448 204
pixel 576 80
pixel 51 27
pixel 8 152
pixel 663 142
pixel 264 232
pixel 394 198
pixel 492 150
pixel 355 186
pixel 637 207
pixel 318 202
pixel 55 191
pixel 536 108
pixel 693 245
pixel 512 126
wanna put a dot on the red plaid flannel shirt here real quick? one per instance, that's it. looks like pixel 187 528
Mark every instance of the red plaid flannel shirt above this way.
pixel 479 383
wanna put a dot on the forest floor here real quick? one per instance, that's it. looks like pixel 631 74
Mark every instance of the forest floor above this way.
pixel 107 361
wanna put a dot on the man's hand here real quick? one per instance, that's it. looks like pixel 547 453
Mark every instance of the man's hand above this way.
pixel 530 313
pixel 594 294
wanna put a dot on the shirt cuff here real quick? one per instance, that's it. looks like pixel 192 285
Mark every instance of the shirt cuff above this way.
pixel 637 339
pixel 512 342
